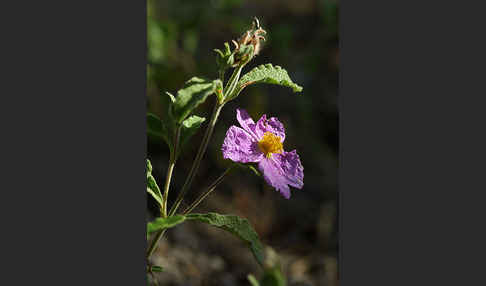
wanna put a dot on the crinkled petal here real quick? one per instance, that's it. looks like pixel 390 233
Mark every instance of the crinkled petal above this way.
pixel 240 146
pixel 269 125
pixel 276 127
pixel 246 122
pixel 282 170
pixel 260 127
pixel 263 125
pixel 274 176
pixel 292 168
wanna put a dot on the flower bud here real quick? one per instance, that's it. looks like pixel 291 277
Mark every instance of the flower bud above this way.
pixel 248 45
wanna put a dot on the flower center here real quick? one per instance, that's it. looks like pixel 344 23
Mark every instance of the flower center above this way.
pixel 269 144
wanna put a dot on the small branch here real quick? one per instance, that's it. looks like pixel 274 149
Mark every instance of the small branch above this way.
pixel 154 278
pixel 172 161
pixel 197 160
pixel 221 75
pixel 153 246
pixel 210 189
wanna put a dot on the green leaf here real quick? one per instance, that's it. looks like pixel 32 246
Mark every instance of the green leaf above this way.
pixel 152 187
pixel 273 277
pixel 235 225
pixel 155 268
pixel 195 92
pixel 164 223
pixel 155 196
pixel 225 58
pixel 266 74
pixel 157 129
pixel 172 97
pixel 189 128
pixel 149 167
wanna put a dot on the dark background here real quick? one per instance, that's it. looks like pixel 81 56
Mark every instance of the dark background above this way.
pixel 302 37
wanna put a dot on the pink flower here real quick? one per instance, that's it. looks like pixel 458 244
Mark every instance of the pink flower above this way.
pixel 262 143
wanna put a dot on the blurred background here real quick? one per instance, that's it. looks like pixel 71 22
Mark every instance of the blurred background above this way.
pixel 302 37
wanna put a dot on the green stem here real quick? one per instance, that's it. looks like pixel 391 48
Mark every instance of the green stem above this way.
pixel 210 189
pixel 202 149
pixel 172 161
pixel 153 246
pixel 221 74
pixel 232 82
pixel 154 279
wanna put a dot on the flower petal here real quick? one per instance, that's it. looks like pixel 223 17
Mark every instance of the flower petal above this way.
pixel 269 125
pixel 246 122
pixel 240 146
pixel 276 127
pixel 274 176
pixel 282 170
pixel 292 167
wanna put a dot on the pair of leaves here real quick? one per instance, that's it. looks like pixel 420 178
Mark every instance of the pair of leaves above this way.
pixel 240 227
pixel 194 93
pixel 265 74
pixel 152 187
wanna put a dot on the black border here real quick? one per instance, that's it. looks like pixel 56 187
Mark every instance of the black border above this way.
pixel 411 115
pixel 74 159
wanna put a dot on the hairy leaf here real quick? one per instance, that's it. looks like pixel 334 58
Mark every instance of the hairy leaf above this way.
pixel 195 92
pixel 189 128
pixel 157 129
pixel 149 167
pixel 152 187
pixel 266 74
pixel 164 223
pixel 235 225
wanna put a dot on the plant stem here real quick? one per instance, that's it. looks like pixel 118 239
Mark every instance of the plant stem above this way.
pixel 153 246
pixel 202 149
pixel 154 279
pixel 221 75
pixel 172 161
pixel 232 82
pixel 210 189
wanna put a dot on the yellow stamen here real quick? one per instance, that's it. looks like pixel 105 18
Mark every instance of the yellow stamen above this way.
pixel 269 144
